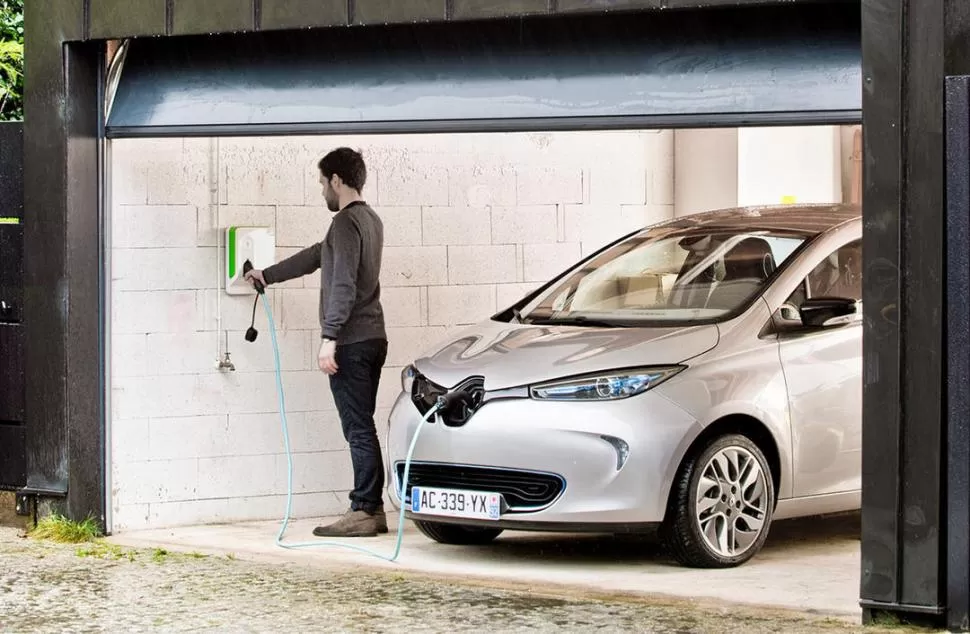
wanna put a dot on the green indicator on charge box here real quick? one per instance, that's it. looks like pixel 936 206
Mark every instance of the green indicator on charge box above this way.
pixel 9 221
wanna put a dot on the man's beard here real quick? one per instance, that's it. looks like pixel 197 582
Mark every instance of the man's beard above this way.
pixel 333 204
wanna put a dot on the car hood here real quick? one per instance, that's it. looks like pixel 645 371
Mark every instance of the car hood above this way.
pixel 513 355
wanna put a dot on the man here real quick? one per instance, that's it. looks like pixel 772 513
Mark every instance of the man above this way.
pixel 353 344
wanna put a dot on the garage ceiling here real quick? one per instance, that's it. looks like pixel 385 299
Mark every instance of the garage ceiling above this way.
pixel 738 66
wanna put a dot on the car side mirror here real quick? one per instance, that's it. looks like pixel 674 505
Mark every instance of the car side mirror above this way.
pixel 827 312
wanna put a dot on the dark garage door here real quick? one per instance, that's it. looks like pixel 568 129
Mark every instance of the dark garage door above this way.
pixel 726 67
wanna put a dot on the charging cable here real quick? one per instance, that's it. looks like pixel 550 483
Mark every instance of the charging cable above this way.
pixel 443 402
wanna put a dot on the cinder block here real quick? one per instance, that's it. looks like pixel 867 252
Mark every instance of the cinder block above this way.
pixel 471 9
pixel 130 517
pixel 456 225
pixel 242 392
pixel 129 440
pixel 548 186
pixel 481 264
pixel 545 261
pixel 414 266
pixel 383 12
pixel 660 157
pixel 293 14
pixel 237 310
pixel 167 166
pixel 323 432
pixel 402 225
pixel 263 172
pixel 600 224
pixel 163 269
pixel 307 391
pixel 198 353
pixel 238 476
pixel 479 186
pixel 129 355
pixel 135 312
pixel 147 171
pixel 389 387
pixel 157 481
pixel 190 513
pixel 515 225
pixel 153 226
pixel 618 182
pixel 258 356
pixel 224 216
pixel 300 309
pixel 456 305
pixel 508 294
pixel 641 216
pixel 407 344
pixel 187 438
pixel 608 5
pixel 202 186
pixel 323 471
pixel 301 226
pixel 414 183
pixel 402 306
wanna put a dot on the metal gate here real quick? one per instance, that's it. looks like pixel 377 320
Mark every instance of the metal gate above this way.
pixel 13 463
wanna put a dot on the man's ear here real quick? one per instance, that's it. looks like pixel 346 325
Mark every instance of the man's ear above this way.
pixel 336 182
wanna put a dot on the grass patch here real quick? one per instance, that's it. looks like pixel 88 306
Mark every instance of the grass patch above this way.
pixel 159 555
pixel 58 528
pixel 104 550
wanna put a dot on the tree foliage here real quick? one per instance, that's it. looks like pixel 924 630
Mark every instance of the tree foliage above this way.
pixel 11 60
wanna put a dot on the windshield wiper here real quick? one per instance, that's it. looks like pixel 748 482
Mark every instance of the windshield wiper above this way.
pixel 578 320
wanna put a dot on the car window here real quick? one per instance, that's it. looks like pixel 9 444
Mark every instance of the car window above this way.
pixel 838 275
pixel 694 274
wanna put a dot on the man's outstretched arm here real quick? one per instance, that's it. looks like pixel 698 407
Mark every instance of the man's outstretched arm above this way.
pixel 301 263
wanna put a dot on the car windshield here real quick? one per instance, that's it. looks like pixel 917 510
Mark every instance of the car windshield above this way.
pixel 667 274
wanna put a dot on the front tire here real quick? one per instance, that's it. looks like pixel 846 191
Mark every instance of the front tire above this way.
pixel 721 505
pixel 457 535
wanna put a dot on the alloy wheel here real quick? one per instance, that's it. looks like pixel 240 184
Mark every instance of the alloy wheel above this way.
pixel 732 501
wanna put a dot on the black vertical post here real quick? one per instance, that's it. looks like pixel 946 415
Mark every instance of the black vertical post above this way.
pixel 916 440
pixel 957 336
pixel 65 447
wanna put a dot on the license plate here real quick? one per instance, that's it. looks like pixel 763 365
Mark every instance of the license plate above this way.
pixel 478 505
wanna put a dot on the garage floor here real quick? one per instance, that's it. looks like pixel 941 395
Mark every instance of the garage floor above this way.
pixel 807 564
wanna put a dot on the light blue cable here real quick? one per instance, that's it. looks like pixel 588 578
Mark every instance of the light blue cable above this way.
pixel 289 465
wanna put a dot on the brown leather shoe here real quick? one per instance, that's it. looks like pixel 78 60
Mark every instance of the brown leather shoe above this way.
pixel 381 520
pixel 352 524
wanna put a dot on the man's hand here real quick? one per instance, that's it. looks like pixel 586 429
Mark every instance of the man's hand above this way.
pixel 255 274
pixel 327 358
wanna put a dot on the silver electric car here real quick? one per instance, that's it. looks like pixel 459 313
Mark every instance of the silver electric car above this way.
pixel 701 376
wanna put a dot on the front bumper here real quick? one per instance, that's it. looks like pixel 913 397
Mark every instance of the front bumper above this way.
pixel 582 444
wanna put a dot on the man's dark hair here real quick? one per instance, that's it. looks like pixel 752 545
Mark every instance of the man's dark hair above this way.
pixel 347 164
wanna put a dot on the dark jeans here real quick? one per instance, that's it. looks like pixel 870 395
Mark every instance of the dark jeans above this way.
pixel 354 389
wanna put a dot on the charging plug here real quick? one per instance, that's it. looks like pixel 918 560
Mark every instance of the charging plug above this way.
pixel 251 332
pixel 247 267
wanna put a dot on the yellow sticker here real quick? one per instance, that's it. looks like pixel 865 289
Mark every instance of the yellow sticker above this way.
pixel 787 200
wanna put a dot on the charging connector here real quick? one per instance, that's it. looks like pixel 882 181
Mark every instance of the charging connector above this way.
pixel 251 332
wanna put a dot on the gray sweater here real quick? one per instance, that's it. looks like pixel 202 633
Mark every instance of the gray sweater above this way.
pixel 349 258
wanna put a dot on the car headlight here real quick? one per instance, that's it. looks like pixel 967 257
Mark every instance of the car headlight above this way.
pixel 604 387
pixel 407 378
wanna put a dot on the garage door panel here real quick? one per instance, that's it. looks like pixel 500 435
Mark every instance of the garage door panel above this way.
pixel 736 66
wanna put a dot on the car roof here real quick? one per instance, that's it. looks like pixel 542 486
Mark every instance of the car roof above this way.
pixel 811 219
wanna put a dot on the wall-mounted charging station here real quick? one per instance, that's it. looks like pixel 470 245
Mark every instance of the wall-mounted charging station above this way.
pixel 256 244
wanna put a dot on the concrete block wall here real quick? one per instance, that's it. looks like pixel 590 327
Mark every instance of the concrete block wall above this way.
pixel 472 222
